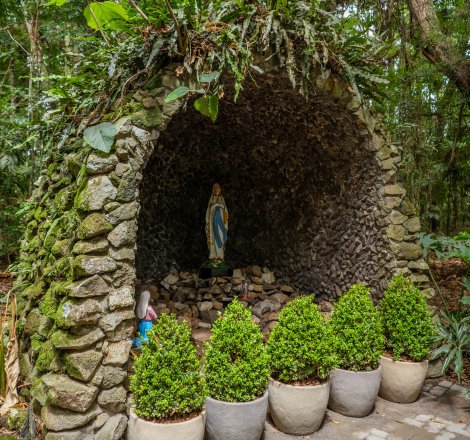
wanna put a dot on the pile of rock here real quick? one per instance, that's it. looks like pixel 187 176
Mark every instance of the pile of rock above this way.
pixel 199 301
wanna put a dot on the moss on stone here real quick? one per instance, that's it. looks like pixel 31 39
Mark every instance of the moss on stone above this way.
pixel 93 225
pixel 46 356
pixel 62 247
pixel 63 200
pixel 49 304
pixel 36 290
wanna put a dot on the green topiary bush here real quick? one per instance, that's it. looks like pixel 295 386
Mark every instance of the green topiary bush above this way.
pixel 407 321
pixel 167 382
pixel 236 362
pixel 356 324
pixel 300 345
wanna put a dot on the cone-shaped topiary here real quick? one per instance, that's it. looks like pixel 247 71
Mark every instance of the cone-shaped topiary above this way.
pixel 236 362
pixel 300 345
pixel 356 324
pixel 407 322
pixel 167 383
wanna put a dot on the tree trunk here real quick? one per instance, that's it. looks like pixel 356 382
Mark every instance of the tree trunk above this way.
pixel 437 48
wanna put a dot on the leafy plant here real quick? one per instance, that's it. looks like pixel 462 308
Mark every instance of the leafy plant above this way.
pixel 356 325
pixel 407 322
pixel 453 340
pixel 236 363
pixel 299 346
pixel 166 382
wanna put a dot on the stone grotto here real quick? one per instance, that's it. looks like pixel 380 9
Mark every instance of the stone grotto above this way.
pixel 315 204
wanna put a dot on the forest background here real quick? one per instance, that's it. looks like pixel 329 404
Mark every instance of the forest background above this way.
pixel 61 60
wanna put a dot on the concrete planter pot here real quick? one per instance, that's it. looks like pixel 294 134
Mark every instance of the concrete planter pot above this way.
pixel 235 421
pixel 402 381
pixel 298 409
pixel 140 429
pixel 353 393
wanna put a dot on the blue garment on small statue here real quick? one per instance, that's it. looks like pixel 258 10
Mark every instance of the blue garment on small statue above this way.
pixel 220 233
pixel 144 327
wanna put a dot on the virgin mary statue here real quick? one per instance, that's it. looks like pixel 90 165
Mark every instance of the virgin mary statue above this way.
pixel 216 225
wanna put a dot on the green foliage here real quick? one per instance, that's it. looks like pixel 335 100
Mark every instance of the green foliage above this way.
pixel 453 340
pixel 447 247
pixel 177 93
pixel 406 319
pixel 208 106
pixel 166 382
pixel 300 345
pixel 356 325
pixel 106 15
pixel 100 137
pixel 236 363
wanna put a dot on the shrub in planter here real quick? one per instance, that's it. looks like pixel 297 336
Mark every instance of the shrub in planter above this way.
pixel 167 385
pixel 301 360
pixel 358 345
pixel 237 375
pixel 408 336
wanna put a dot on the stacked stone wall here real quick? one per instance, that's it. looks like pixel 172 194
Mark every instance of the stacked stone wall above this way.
pixel 77 284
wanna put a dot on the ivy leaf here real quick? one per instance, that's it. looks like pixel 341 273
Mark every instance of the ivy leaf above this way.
pixel 100 137
pixel 177 93
pixel 208 106
pixel 208 77
pixel 105 15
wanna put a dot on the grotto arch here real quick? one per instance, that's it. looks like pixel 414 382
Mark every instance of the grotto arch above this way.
pixel 292 172
pixel 76 305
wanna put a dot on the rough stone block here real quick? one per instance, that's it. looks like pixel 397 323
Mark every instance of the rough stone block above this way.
pixel 121 298
pixel 67 341
pixel 64 392
pixel 98 191
pixel 394 190
pixel 92 286
pixel 118 353
pixel 123 234
pixel 100 165
pixel 85 265
pixel 113 429
pixel 112 376
pixel 111 320
pixel 76 313
pixel 113 399
pixel 59 419
pixel 126 211
pixel 94 246
pixel 82 365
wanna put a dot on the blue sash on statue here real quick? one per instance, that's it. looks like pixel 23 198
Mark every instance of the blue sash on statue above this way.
pixel 144 327
pixel 220 233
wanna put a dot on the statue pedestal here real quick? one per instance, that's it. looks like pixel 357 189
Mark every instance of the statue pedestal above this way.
pixel 212 272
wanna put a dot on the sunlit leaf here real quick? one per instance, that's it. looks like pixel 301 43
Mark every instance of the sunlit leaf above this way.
pixel 177 93
pixel 100 137
pixel 106 15
pixel 208 106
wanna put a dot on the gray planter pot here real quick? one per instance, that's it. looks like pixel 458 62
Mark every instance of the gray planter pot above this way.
pixel 353 393
pixel 235 421
pixel 402 381
pixel 140 429
pixel 298 410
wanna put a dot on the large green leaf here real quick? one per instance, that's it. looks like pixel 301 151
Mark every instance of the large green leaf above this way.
pixel 100 137
pixel 177 93
pixel 106 15
pixel 56 2
pixel 208 106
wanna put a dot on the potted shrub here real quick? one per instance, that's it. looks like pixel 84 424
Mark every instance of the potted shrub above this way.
pixel 237 375
pixel 168 389
pixel 299 350
pixel 358 345
pixel 408 336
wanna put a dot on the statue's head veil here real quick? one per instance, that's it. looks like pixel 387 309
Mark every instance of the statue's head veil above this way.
pixel 143 303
